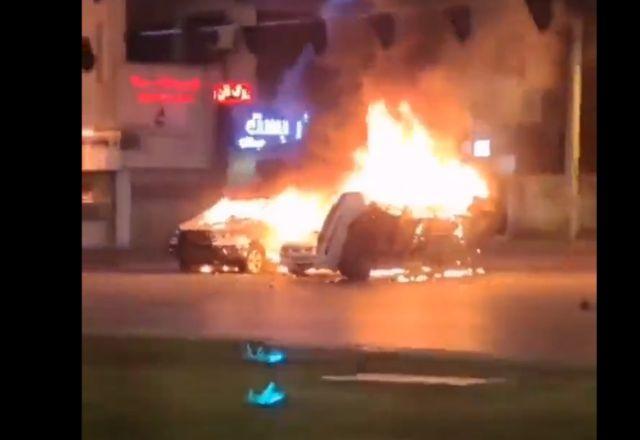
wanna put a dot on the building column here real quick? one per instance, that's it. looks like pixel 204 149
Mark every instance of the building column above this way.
pixel 123 209
pixel 572 138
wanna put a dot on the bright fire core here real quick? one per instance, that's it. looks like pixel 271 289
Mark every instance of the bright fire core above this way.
pixel 399 166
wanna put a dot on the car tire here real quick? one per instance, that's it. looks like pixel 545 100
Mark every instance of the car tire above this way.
pixel 355 263
pixel 255 260
pixel 357 252
pixel 355 268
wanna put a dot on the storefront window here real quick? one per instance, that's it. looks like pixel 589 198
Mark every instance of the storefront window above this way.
pixel 98 196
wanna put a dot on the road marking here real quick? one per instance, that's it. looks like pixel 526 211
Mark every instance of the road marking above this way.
pixel 414 379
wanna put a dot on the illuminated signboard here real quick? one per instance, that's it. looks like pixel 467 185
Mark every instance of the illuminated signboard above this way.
pixel 168 90
pixel 166 83
pixel 232 93
pixel 165 90
pixel 262 130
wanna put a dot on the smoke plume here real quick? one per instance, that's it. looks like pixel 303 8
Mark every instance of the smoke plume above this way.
pixel 505 75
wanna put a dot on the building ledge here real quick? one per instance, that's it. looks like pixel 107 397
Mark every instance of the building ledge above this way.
pixel 101 150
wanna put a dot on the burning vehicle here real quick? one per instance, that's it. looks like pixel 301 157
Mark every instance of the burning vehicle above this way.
pixel 358 237
pixel 234 243
pixel 247 235
pixel 298 257
pixel 406 203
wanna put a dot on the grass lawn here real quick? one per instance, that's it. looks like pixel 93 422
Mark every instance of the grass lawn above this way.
pixel 154 388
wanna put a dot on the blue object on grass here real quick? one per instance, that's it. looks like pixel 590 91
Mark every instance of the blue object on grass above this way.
pixel 264 355
pixel 272 395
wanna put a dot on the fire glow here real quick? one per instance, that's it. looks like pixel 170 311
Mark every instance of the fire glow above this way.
pixel 292 216
pixel 399 167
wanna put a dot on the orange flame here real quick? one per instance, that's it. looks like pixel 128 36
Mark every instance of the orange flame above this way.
pixel 398 167
pixel 292 216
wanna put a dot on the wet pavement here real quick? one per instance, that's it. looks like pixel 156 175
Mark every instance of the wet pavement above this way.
pixel 525 315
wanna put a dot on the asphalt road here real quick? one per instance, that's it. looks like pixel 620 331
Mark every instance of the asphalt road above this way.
pixel 517 315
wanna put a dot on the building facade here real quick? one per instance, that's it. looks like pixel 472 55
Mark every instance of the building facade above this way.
pixel 150 149
pixel 187 97
pixel 106 194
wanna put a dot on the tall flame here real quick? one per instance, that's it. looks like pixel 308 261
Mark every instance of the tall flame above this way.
pixel 292 216
pixel 401 167
pixel 398 167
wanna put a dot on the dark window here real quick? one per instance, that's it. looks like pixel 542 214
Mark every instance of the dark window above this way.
pixel 158 44
pixel 207 19
pixel 88 58
pixel 201 35
pixel 460 18
pixel 98 196
pixel 541 13
pixel 270 16
pixel 277 47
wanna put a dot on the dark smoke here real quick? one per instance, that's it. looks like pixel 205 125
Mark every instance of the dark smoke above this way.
pixel 497 78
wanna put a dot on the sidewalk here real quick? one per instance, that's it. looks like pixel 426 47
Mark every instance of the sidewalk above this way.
pixel 125 260
pixel 500 254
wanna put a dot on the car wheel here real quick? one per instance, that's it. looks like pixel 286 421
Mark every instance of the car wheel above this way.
pixel 355 264
pixel 254 261
pixel 357 268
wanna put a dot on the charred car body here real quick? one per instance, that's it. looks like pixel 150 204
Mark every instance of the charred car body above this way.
pixel 298 257
pixel 234 243
pixel 357 237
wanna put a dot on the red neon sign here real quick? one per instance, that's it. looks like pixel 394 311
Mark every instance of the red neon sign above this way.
pixel 165 90
pixel 168 90
pixel 165 98
pixel 232 93
pixel 166 83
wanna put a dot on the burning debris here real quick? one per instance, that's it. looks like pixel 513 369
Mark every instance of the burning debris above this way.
pixel 402 275
pixel 206 268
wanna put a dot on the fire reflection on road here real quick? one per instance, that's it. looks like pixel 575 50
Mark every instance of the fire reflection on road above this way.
pixel 502 314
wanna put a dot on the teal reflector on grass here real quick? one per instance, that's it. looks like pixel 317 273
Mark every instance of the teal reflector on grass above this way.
pixel 265 355
pixel 272 395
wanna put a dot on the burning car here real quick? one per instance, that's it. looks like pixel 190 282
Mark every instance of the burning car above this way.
pixel 298 257
pixel 407 201
pixel 358 237
pixel 234 243
pixel 248 233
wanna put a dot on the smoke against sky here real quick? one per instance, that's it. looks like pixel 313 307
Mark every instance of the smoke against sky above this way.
pixel 497 78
